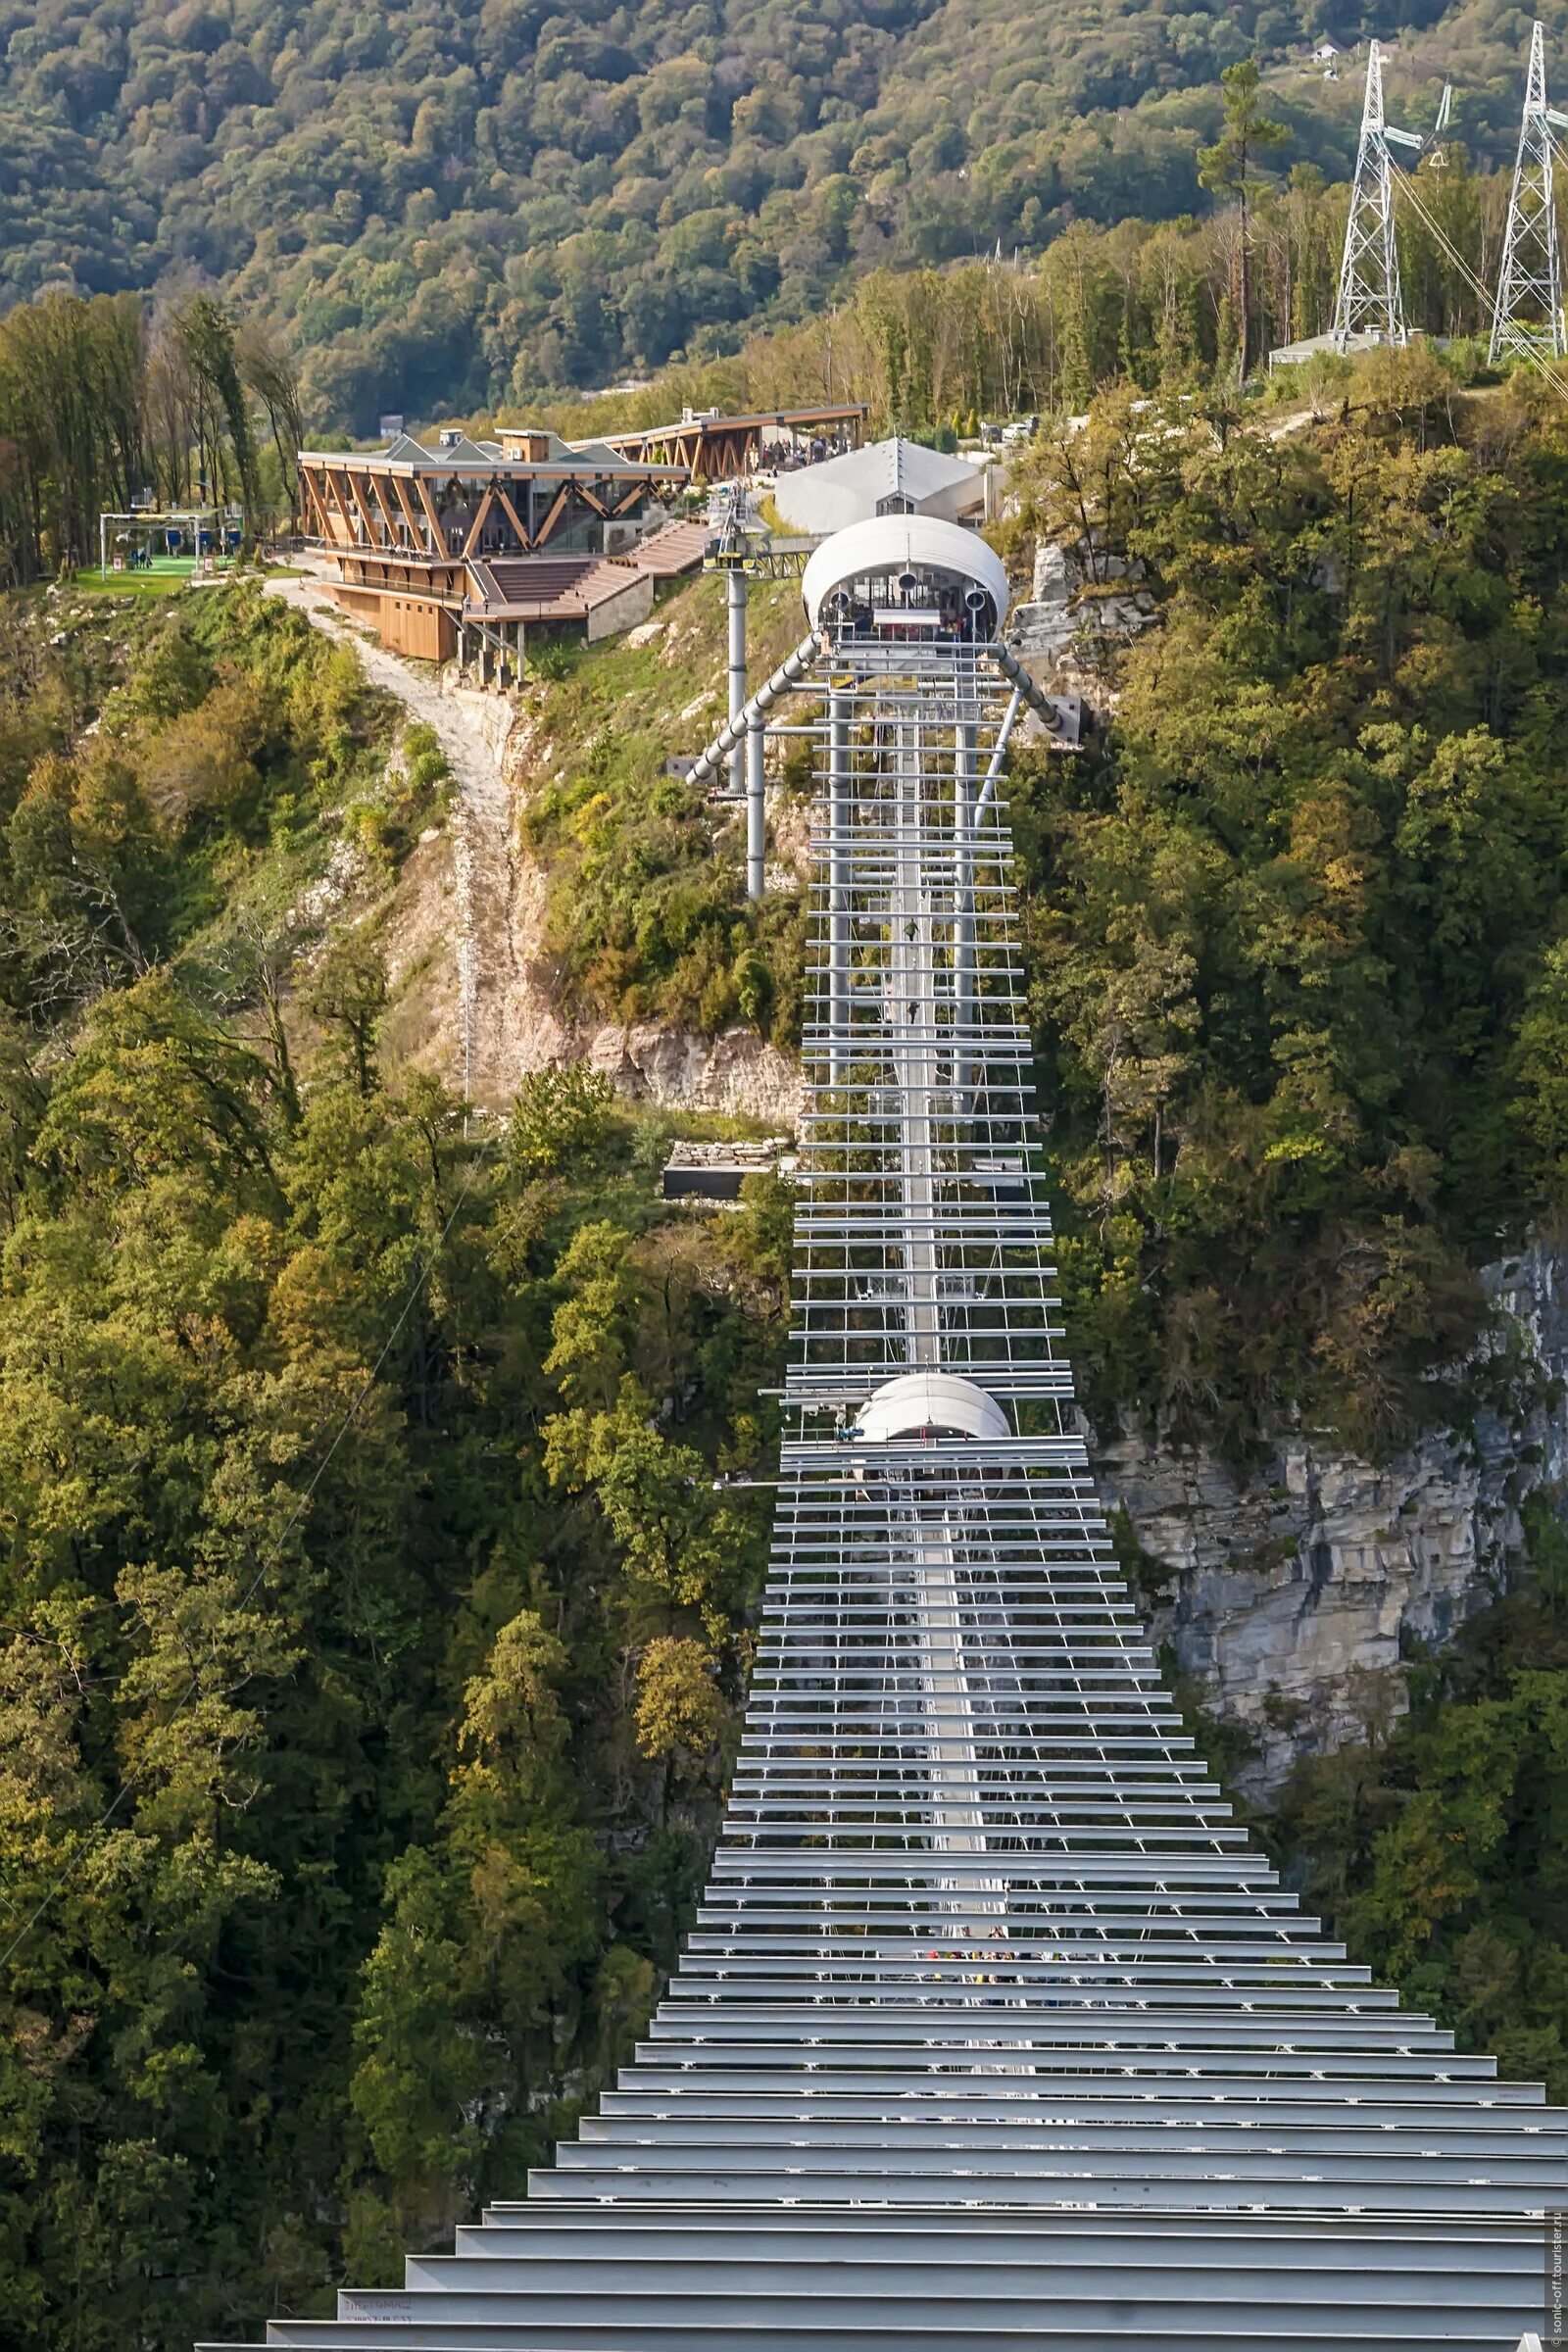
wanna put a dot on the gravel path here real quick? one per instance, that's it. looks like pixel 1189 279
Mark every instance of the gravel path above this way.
pixel 471 728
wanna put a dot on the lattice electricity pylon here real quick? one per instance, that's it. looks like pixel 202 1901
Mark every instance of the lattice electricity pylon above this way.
pixel 993 2028
pixel 1371 301
pixel 1529 315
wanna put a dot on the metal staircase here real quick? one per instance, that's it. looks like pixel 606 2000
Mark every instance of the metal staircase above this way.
pixel 993 2026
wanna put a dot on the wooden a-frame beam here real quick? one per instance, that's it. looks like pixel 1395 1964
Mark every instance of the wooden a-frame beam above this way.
pixel 511 513
pixel 408 515
pixel 374 480
pixel 337 500
pixel 470 544
pixel 438 544
pixel 553 518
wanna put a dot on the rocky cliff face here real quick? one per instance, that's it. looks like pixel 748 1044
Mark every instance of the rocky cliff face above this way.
pixel 737 1073
pixel 1292 1596
pixel 1081 603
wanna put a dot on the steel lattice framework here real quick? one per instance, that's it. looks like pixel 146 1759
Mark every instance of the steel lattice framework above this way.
pixel 993 2023
pixel 1529 315
pixel 1370 303
pixel 1370 298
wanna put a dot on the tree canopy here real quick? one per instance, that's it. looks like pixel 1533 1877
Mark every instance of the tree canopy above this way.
pixel 463 204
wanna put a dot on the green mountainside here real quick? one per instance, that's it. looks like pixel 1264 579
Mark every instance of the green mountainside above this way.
pixel 461 205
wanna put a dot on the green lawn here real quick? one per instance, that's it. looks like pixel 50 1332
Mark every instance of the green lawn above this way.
pixel 163 579
pixel 133 583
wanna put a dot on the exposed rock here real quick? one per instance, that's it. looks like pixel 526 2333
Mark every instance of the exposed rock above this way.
pixel 1083 606
pixel 756 1156
pixel 736 1072
pixel 1296 1594
pixel 320 900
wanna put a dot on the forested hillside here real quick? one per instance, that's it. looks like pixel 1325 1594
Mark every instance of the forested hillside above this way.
pixel 465 204
pixel 373 1630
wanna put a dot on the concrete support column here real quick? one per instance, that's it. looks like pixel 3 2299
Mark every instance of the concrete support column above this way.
pixel 837 872
pixel 756 810
pixel 736 580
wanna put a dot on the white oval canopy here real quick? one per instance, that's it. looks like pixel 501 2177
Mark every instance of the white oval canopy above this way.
pixel 894 543
pixel 918 1400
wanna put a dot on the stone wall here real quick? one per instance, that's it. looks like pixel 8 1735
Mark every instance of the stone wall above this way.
pixel 1077 607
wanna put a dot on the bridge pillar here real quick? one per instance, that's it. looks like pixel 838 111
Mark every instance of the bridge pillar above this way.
pixel 736 581
pixel 838 888
pixel 756 812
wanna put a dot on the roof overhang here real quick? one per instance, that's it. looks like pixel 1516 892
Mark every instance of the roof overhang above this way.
pixel 489 469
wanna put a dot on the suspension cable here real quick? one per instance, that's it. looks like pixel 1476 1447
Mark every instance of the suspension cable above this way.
pixel 1554 375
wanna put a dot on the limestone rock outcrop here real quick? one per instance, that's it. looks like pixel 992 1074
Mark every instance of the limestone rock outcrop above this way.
pixel 1291 1595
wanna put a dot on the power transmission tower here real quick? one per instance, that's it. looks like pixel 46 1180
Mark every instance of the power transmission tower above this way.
pixel 1529 316
pixel 1370 297
pixel 1370 301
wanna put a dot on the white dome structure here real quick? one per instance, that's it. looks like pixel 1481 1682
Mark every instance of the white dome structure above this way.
pixel 888 547
pixel 931 1401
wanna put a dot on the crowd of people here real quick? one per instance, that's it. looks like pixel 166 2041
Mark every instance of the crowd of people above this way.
pixel 788 457
pixel 991 1958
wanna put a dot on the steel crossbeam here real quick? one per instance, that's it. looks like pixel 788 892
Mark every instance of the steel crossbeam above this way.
pixel 993 2023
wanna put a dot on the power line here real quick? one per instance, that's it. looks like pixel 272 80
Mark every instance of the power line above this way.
pixel 1537 357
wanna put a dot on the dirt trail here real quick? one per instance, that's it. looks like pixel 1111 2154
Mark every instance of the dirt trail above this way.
pixel 475 993
pixel 471 728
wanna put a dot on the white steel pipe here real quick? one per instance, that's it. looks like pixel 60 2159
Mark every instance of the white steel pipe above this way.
pixel 756 812
pixel 789 673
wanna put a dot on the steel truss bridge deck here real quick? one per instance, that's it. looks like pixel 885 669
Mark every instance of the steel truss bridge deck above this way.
pixel 993 2023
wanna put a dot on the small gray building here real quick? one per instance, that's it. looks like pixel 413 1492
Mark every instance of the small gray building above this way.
pixel 891 477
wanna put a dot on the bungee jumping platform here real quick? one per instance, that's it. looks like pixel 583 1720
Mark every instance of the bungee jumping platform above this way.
pixel 992 2028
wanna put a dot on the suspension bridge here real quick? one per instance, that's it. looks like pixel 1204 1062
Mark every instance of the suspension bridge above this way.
pixel 993 2026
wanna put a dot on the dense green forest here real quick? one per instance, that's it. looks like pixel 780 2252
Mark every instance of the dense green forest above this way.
pixel 455 206
pixel 931 352
pixel 101 398
pixel 361 1522
pixel 1298 931
pixel 375 1630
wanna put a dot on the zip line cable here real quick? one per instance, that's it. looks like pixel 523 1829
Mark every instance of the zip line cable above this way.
pixel 94 1835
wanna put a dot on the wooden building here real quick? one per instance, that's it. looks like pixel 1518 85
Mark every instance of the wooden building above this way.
pixel 407 526
pixel 420 536
pixel 711 447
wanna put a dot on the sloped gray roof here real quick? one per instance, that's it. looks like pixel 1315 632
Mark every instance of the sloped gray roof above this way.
pixel 460 452
pixel 848 489
pixel 599 450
